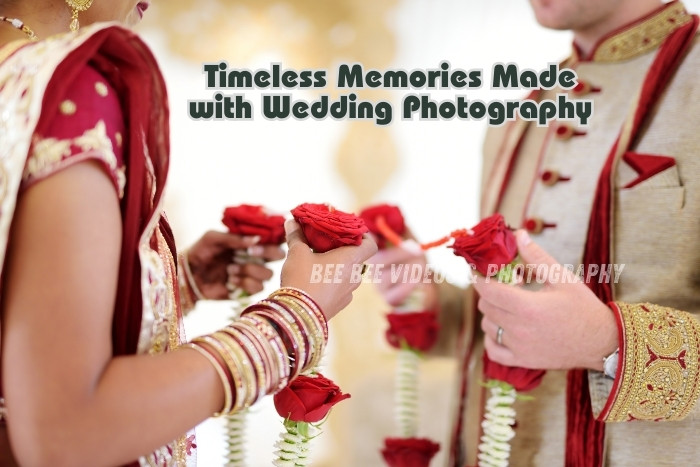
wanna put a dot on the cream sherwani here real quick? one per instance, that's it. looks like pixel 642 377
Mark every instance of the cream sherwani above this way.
pixel 656 236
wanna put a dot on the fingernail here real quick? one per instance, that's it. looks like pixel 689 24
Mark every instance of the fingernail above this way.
pixel 256 250
pixel 254 239
pixel 524 238
pixel 290 226
pixel 233 269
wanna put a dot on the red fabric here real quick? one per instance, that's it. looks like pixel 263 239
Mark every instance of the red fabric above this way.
pixel 585 435
pixel 125 62
pixel 91 107
pixel 646 165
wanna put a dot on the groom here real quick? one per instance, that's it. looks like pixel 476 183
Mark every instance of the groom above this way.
pixel 622 356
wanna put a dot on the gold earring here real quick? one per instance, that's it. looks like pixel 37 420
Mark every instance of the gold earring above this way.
pixel 77 6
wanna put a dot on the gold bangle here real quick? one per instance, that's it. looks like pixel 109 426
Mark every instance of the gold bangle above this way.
pixel 190 277
pixel 266 354
pixel 274 340
pixel 308 301
pixel 294 337
pixel 245 364
pixel 234 368
pixel 254 357
pixel 314 331
pixel 299 333
pixel 228 397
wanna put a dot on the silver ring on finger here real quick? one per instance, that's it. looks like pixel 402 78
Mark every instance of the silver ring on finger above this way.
pixel 499 336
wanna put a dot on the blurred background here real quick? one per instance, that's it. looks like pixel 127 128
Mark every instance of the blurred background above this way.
pixel 429 168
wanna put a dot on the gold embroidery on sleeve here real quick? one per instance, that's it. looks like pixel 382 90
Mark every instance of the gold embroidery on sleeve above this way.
pixel 49 153
pixel 660 380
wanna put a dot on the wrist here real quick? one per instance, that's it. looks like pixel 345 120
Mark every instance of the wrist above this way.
pixel 608 341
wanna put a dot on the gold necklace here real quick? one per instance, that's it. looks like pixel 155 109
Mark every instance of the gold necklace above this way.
pixel 19 24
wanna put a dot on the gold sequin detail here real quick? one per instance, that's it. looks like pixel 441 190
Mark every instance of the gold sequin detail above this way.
pixel 660 377
pixel 101 88
pixel 643 37
pixel 68 107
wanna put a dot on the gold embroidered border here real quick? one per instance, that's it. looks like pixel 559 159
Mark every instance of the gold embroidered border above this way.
pixel 642 37
pixel 660 380
pixel 51 154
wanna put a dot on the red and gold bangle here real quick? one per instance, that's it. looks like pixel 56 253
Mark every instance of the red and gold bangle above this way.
pixel 254 356
pixel 238 379
pixel 241 359
pixel 300 309
pixel 287 324
pixel 273 340
pixel 293 317
pixel 312 328
pixel 299 351
pixel 225 381
pixel 310 303
pixel 266 361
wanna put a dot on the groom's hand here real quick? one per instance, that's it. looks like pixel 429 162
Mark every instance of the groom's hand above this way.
pixel 562 325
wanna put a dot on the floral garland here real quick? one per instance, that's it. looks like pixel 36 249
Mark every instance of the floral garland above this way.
pixel 305 402
pixel 412 331
pixel 489 248
pixel 490 243
pixel 248 220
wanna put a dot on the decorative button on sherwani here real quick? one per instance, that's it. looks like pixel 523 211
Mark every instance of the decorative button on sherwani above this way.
pixel 551 177
pixel 583 87
pixel 564 132
pixel 535 225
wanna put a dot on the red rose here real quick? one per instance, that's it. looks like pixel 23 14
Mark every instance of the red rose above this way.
pixel 248 219
pixel 409 452
pixel 418 329
pixel 490 242
pixel 522 379
pixel 326 228
pixel 392 216
pixel 308 398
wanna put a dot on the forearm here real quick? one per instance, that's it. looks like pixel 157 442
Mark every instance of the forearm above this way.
pixel 138 404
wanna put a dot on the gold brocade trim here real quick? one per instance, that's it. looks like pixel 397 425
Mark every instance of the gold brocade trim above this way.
pixel 175 333
pixel 188 299
pixel 51 154
pixel 660 380
pixel 642 37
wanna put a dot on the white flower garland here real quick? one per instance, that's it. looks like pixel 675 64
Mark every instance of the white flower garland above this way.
pixel 494 450
pixel 406 392
pixel 293 446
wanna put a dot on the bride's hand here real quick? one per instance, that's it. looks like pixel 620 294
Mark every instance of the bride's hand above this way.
pixel 211 262
pixel 331 277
